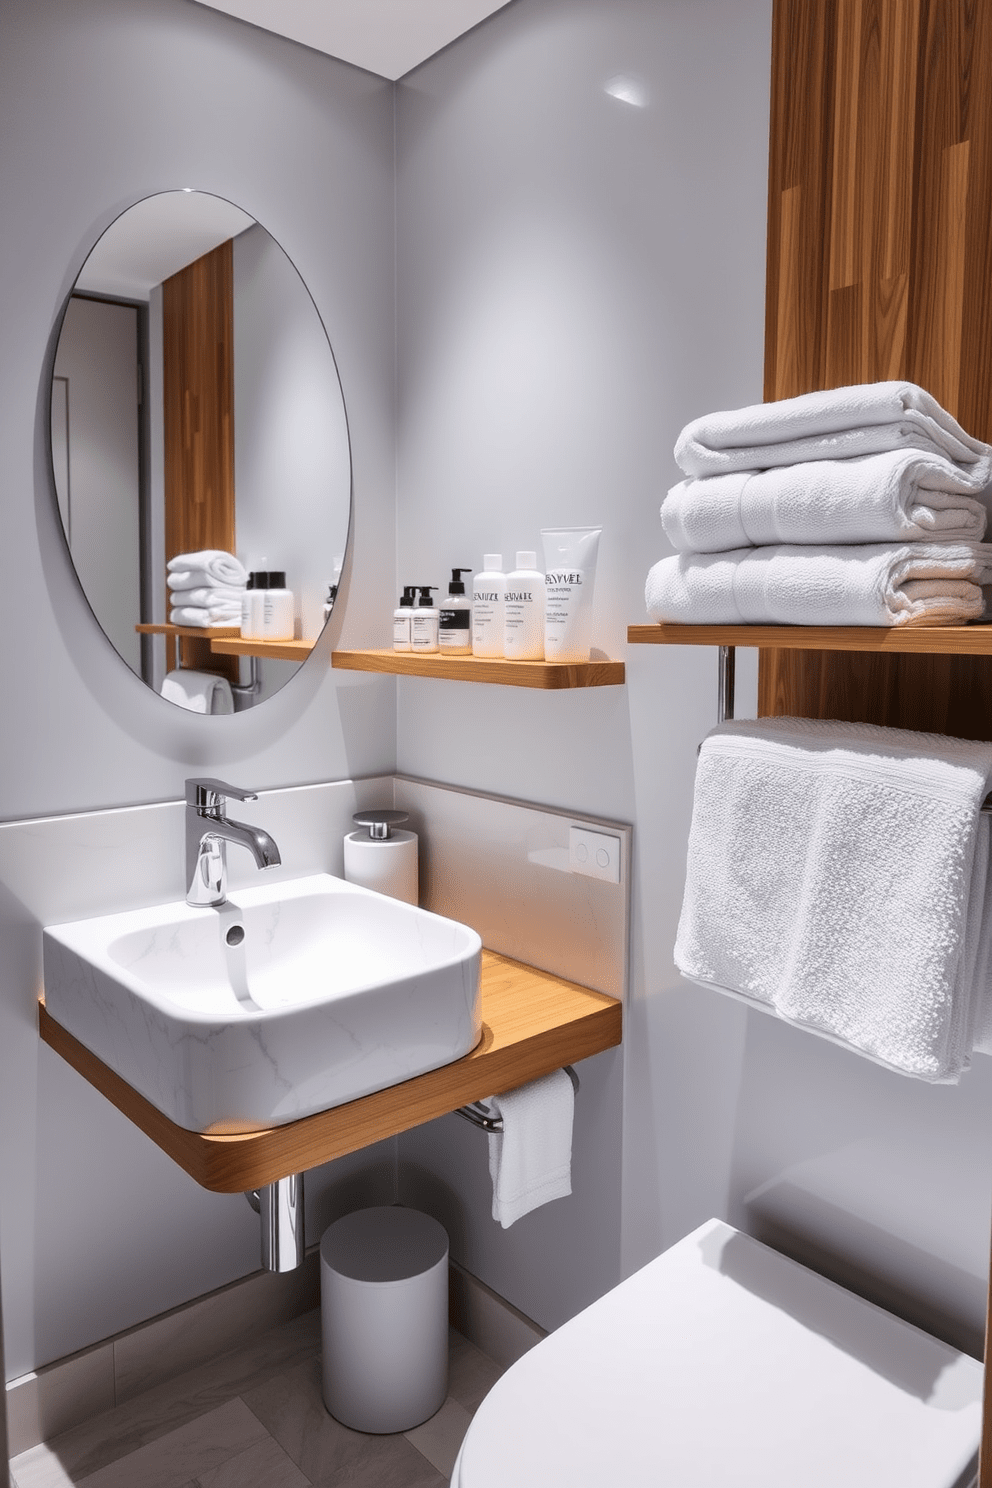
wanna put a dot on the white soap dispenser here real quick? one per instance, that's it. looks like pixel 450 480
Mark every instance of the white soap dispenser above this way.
pixel 523 633
pixel 423 626
pixel 402 619
pixel 454 626
pixel 489 607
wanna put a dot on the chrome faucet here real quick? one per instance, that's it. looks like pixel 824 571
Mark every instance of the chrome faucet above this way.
pixel 208 832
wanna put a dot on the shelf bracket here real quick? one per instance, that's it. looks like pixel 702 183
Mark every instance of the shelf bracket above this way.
pixel 726 668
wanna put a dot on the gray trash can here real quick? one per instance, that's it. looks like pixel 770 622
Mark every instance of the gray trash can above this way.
pixel 384 1318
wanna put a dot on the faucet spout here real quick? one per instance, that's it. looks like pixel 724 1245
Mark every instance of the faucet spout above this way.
pixel 208 831
pixel 255 839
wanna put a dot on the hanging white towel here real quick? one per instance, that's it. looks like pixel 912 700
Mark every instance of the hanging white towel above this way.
pixel 199 692
pixel 835 424
pixel 832 876
pixel 530 1161
pixel 217 567
pixel 899 496
pixel 879 584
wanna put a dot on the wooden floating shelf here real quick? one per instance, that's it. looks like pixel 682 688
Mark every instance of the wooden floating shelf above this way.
pixel 278 650
pixel 190 632
pixel 543 674
pixel 949 640
pixel 532 1023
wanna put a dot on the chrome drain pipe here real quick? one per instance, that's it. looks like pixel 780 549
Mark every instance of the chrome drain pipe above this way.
pixel 280 1208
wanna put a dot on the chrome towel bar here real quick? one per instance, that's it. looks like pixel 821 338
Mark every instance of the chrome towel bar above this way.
pixel 479 1116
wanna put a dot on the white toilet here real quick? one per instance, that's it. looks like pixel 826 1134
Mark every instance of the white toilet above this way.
pixel 724 1365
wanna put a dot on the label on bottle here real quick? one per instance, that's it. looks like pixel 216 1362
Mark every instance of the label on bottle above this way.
pixel 487 622
pixel 524 624
pixel 455 619
pixel 401 632
pixel 423 632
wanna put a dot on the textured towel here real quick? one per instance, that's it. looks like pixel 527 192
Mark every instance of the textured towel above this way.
pixel 530 1162
pixel 199 692
pixel 881 584
pixel 832 875
pixel 205 567
pixel 225 614
pixel 836 424
pixel 218 595
pixel 899 496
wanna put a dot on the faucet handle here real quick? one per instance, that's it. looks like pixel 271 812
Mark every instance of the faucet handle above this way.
pixel 200 789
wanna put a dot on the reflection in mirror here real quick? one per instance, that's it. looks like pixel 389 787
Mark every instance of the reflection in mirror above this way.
pixel 196 409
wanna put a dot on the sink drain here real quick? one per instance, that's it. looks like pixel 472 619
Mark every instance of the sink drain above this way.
pixel 235 935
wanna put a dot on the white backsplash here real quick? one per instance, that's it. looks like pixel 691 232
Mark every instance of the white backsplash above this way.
pixel 503 868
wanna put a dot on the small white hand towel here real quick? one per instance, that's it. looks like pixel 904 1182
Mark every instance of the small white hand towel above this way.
pixel 832 876
pixel 835 424
pixel 899 496
pixel 878 584
pixel 217 566
pixel 199 692
pixel 530 1161
pixel 225 615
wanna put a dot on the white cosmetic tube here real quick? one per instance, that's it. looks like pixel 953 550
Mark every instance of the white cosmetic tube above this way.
pixel 570 561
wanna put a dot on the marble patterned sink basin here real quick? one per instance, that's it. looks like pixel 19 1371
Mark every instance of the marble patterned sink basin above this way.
pixel 291 998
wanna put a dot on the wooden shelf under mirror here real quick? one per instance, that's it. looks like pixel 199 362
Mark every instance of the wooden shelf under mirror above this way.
pixel 548 675
pixel 532 1023
pixel 279 650
pixel 226 640
pixel 189 632
pixel 947 640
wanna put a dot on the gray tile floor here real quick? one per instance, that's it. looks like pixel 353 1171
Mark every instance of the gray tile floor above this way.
pixel 254 1418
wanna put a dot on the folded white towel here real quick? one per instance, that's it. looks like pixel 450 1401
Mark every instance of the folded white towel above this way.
pixel 530 1161
pixel 210 594
pixel 217 567
pixel 899 496
pixel 225 615
pixel 200 692
pixel 830 425
pixel 879 584
pixel 832 875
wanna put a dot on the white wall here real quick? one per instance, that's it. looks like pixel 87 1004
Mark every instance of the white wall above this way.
pixel 578 276
pixel 103 102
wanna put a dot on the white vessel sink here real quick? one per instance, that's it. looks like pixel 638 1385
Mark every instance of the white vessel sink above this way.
pixel 332 993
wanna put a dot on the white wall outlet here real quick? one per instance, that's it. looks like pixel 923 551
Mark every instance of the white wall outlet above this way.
pixel 596 854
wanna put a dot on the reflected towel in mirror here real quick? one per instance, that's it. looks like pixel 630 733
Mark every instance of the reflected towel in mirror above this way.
pixel 199 692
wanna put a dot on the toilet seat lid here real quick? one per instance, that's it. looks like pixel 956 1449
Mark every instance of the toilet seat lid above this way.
pixel 724 1363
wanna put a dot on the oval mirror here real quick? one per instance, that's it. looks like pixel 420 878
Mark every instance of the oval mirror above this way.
pixel 200 450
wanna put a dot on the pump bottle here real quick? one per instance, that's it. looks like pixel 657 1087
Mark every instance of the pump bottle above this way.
pixel 423 626
pixel 454 634
pixel 402 618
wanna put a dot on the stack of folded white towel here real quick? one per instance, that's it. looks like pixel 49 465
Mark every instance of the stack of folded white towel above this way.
pixel 838 875
pixel 206 588
pixel 854 506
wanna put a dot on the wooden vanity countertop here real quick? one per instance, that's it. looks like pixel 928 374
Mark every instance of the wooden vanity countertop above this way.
pixel 532 1023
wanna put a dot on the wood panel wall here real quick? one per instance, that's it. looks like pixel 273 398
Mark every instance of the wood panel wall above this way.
pixel 880 266
pixel 198 418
